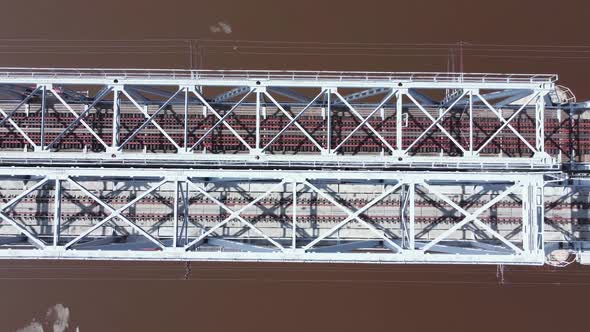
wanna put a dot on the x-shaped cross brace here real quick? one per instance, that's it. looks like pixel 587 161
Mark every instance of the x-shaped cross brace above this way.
pixel 35 241
pixel 71 110
pixel 506 123
pixel 368 125
pixel 115 213
pixel 353 215
pixel 151 120
pixel 221 119
pixel 293 120
pixel 234 214
pixel 365 120
pixel 148 117
pixel 436 122
pixel 79 118
pixel 470 217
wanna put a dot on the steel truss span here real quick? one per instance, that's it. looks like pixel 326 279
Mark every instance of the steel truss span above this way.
pixel 290 216
pixel 291 166
pixel 278 119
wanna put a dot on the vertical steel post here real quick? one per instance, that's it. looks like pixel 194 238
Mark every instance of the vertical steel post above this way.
pixel 402 215
pixel 407 213
pixel 411 215
pixel 533 216
pixel 175 221
pixel 501 114
pixel 56 212
pixel 258 119
pixel 398 122
pixel 470 123
pixel 526 209
pixel 186 217
pixel 440 114
pixel 116 118
pixel 43 114
pixel 294 222
pixel 540 123
pixel 539 238
pixel 186 119
pixel 329 121
pixel 571 136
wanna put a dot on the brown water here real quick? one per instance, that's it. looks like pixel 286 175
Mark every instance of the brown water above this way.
pixel 294 297
pixel 258 297
pixel 507 22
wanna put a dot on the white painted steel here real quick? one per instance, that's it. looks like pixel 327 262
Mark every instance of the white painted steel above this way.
pixel 122 81
pixel 463 252
pixel 399 172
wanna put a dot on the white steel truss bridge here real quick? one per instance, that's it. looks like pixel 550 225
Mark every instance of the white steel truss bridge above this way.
pixel 285 166
pixel 236 234
pixel 278 118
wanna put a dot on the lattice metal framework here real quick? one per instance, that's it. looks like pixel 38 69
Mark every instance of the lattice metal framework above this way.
pixel 277 183
pixel 501 98
pixel 251 240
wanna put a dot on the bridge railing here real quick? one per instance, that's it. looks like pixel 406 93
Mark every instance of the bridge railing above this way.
pixel 343 76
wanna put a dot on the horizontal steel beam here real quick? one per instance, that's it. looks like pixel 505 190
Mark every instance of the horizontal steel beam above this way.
pixel 228 174
pixel 277 78
pixel 293 257
pixel 348 246
pixel 278 161
pixel 235 245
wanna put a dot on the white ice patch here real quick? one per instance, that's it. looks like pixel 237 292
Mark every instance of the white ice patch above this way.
pixel 60 315
pixel 57 319
pixel 221 26
pixel 34 326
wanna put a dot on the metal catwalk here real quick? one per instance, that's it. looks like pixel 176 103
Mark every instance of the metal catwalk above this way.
pixel 288 166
